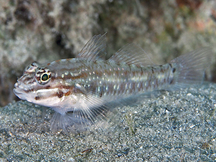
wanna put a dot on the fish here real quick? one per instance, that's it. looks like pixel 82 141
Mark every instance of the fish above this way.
pixel 81 90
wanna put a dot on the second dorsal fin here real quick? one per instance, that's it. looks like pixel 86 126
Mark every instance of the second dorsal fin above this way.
pixel 94 47
pixel 132 54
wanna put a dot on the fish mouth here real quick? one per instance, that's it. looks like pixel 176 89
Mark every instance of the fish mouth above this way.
pixel 16 85
pixel 22 91
pixel 18 91
pixel 17 88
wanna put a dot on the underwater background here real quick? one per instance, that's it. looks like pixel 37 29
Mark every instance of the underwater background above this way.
pixel 175 126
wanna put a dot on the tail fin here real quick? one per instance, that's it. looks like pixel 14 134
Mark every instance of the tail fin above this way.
pixel 191 66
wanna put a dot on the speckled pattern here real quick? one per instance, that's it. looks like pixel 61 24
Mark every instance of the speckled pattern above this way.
pixel 176 126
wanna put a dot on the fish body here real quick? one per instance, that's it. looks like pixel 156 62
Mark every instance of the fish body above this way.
pixel 78 88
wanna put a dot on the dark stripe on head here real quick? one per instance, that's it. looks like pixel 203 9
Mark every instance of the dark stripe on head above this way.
pixel 47 87
pixel 60 94
pixel 27 79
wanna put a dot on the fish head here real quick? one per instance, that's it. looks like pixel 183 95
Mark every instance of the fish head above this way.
pixel 37 86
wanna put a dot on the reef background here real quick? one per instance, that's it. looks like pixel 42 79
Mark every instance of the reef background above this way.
pixel 176 126
pixel 45 31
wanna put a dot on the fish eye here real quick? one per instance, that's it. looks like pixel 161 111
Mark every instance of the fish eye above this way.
pixel 43 76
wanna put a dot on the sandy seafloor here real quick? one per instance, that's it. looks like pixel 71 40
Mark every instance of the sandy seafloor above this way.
pixel 176 126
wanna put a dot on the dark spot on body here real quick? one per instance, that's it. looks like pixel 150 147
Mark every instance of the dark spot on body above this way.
pixel 37 98
pixel 47 87
pixel 171 81
pixel 170 65
pixel 152 70
pixel 173 70
pixel 101 94
pixel 68 93
pixel 60 94
pixel 156 83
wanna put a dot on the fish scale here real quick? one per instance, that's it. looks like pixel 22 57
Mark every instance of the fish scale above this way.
pixel 81 89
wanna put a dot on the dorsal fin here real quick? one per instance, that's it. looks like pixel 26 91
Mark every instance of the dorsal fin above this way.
pixel 132 54
pixel 93 48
